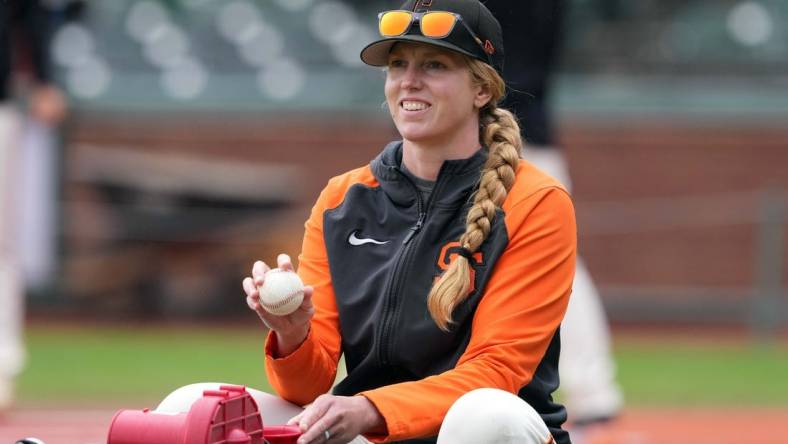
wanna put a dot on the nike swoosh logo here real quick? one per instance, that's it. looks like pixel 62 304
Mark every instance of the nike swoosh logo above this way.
pixel 353 240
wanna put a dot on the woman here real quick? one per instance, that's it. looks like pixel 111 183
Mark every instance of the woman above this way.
pixel 442 267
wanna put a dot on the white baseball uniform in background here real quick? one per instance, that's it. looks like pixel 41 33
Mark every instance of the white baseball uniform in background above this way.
pixel 12 354
pixel 36 240
pixel 28 150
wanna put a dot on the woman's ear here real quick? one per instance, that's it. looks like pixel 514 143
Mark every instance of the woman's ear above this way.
pixel 483 97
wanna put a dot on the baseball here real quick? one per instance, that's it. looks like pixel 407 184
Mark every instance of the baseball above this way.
pixel 282 292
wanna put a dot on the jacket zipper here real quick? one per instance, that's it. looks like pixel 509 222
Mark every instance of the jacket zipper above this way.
pixel 397 277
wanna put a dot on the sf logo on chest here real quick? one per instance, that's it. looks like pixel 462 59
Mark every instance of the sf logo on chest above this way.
pixel 448 254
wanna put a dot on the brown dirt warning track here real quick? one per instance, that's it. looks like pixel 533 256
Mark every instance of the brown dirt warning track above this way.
pixel 56 426
pixel 636 426
pixel 700 426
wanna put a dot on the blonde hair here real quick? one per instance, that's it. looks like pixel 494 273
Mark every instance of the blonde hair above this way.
pixel 499 132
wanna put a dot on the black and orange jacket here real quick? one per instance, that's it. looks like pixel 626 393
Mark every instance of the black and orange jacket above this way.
pixel 372 249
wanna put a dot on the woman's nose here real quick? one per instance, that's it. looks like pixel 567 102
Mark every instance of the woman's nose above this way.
pixel 411 78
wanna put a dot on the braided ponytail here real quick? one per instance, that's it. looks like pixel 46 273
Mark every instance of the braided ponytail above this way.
pixel 500 134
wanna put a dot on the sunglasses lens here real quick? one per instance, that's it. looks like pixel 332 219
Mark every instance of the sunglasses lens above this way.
pixel 393 23
pixel 437 24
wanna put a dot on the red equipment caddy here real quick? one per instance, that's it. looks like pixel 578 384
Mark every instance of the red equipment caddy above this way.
pixel 225 416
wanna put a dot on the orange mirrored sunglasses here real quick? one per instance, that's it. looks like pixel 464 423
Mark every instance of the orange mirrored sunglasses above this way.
pixel 433 24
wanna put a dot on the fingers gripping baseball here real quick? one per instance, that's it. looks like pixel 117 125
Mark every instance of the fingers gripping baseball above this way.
pixel 278 296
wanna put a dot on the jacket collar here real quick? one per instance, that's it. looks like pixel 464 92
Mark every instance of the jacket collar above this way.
pixel 455 179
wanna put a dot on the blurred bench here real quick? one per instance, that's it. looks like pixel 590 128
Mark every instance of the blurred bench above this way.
pixel 166 228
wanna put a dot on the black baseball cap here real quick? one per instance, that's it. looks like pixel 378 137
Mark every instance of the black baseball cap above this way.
pixel 474 14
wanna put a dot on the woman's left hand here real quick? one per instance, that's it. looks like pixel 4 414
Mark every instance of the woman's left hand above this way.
pixel 343 417
pixel 48 105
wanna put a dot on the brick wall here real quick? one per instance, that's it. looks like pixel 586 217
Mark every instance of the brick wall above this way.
pixel 662 206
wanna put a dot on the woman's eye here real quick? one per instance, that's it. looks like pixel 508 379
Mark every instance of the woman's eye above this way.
pixel 434 64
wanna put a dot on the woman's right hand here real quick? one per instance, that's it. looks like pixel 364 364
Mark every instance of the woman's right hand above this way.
pixel 292 329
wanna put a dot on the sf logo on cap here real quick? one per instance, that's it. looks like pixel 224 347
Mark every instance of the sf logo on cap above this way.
pixel 422 4
pixel 488 47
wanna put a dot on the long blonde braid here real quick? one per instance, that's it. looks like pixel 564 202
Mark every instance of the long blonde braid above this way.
pixel 500 134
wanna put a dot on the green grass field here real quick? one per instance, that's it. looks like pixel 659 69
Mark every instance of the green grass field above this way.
pixel 136 367
pixel 702 373
pixel 95 365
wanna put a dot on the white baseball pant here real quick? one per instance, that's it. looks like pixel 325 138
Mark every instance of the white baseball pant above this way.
pixel 12 355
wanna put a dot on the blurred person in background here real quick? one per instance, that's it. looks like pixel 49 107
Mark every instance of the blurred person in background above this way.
pixel 533 31
pixel 31 106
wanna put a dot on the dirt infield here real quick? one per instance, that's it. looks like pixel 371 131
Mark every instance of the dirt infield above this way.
pixel 56 426
pixel 636 426
pixel 700 426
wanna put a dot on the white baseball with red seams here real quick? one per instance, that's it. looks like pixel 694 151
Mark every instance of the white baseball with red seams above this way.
pixel 282 292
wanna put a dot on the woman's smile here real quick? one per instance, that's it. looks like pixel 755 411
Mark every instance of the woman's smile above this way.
pixel 414 105
pixel 414 108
